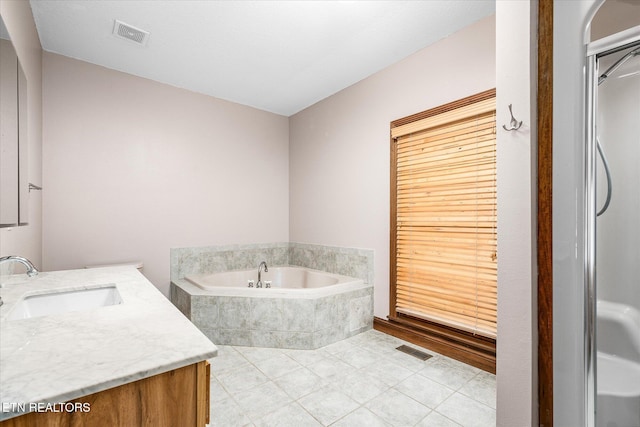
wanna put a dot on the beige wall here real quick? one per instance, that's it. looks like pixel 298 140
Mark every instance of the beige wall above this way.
pixel 339 147
pixel 516 74
pixel 133 167
pixel 27 240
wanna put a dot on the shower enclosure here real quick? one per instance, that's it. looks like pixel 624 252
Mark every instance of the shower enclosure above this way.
pixel 612 255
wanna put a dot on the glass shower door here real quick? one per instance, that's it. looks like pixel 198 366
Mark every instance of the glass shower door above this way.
pixel 613 257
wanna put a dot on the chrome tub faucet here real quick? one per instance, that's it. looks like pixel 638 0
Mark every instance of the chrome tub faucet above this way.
pixel 266 270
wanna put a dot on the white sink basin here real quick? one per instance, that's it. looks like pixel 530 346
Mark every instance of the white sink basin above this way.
pixel 65 301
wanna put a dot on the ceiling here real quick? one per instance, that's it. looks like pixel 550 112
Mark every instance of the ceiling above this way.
pixel 278 56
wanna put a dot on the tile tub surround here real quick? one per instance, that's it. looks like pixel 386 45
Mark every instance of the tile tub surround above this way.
pixel 65 356
pixel 291 320
pixel 305 323
pixel 361 381
pixel 351 262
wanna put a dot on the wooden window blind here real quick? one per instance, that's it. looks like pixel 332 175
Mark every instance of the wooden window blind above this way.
pixel 444 216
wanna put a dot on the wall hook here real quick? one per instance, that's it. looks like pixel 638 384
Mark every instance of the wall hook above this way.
pixel 514 124
pixel 34 187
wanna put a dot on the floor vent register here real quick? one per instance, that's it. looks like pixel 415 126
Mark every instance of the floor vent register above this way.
pixel 414 352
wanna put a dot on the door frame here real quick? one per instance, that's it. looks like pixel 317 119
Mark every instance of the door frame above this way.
pixel 545 212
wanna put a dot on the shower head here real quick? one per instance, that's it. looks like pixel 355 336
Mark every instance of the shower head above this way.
pixel 617 65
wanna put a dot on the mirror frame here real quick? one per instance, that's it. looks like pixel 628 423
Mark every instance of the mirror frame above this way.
pixel 14 141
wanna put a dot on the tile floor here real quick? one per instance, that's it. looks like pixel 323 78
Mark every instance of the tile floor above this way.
pixel 361 381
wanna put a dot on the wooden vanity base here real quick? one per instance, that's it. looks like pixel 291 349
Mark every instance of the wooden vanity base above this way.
pixel 177 398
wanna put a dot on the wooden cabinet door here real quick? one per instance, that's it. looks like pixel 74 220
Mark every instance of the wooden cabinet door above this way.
pixel 177 398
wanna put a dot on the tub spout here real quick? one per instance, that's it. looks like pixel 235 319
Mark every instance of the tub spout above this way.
pixel 266 270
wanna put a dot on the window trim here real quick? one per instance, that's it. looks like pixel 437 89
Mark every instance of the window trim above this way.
pixel 467 347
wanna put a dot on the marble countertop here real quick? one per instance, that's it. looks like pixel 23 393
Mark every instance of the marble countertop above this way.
pixel 61 357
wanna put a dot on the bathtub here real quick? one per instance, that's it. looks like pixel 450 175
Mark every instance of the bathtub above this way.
pixel 302 308
pixel 618 365
pixel 282 280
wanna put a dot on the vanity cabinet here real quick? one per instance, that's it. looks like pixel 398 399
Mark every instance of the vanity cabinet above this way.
pixel 178 398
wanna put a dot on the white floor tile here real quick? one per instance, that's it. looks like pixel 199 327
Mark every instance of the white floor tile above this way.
pixel 307 357
pixel 397 409
pixel 292 415
pixel 338 347
pixel 328 405
pixel 379 347
pixel 277 366
pixel 448 372
pixel 361 381
pixel 255 354
pixel 228 359
pixel 331 368
pixel 361 417
pixel 389 372
pixel 299 383
pixel 227 412
pixel 360 386
pixel 358 357
pixel 216 391
pixel 242 378
pixel 425 391
pixel 407 361
pixel 262 400
pixel 435 419
pixel 467 412
pixel 481 388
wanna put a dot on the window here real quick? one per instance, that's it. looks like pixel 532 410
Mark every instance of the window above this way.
pixel 443 219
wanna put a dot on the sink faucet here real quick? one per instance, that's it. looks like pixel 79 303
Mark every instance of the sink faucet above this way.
pixel 31 270
pixel 266 270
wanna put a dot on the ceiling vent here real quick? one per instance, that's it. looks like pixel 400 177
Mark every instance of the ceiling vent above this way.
pixel 131 33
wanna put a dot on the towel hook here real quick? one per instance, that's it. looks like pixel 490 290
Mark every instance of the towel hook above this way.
pixel 34 187
pixel 514 124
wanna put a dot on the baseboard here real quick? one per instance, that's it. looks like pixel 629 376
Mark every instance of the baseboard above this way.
pixel 482 356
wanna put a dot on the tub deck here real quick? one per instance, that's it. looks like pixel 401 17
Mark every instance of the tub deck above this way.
pixel 303 318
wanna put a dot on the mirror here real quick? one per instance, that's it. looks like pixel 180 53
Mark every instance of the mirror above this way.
pixel 14 186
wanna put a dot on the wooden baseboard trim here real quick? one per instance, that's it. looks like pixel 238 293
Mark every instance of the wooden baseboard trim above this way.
pixel 483 357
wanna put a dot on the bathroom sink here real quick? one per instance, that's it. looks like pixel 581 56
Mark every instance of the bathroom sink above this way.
pixel 65 301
